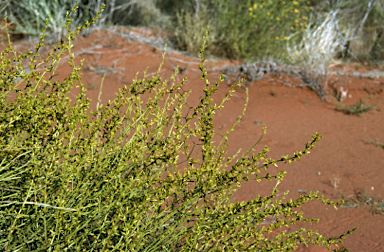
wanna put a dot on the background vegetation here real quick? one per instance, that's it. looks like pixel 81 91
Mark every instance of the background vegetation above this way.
pixel 250 29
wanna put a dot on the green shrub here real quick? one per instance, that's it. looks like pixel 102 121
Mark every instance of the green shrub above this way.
pixel 110 179
pixel 246 29
pixel 355 109
pixel 186 36
pixel 275 22
pixel 265 30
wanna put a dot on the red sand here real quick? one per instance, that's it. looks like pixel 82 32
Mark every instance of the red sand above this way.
pixel 343 159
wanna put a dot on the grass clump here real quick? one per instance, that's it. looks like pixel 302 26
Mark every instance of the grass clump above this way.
pixel 111 179
pixel 355 109
pixel 374 204
pixel 316 51
pixel 375 142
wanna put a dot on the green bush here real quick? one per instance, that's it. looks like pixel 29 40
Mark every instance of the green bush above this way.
pixel 239 29
pixel 245 29
pixel 186 36
pixel 111 179
pixel 265 30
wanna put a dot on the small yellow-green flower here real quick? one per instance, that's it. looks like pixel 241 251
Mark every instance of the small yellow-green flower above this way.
pixel 250 9
pixel 268 13
pixel 278 19
pixel 277 38
pixel 294 2
pixel 285 37
pixel 255 6
pixel 296 10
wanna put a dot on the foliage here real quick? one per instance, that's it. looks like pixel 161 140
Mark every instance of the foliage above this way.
pixel 276 21
pixel 316 51
pixel 374 204
pixel 319 45
pixel 264 32
pixel 187 36
pixel 252 29
pixel 29 16
pixel 357 108
pixel 269 24
pixel 170 7
pixel 360 24
pixel 375 142
pixel 374 25
pixel 111 179
pixel 137 13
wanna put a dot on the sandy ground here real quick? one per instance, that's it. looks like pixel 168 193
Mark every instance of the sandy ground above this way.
pixel 343 162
